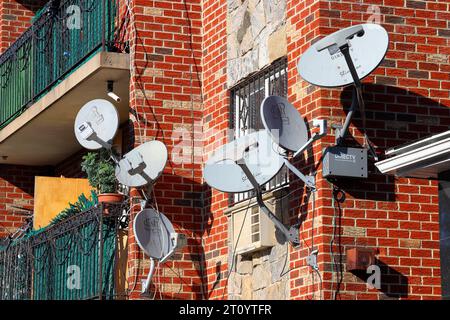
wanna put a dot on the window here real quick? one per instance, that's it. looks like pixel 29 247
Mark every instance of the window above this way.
pixel 246 99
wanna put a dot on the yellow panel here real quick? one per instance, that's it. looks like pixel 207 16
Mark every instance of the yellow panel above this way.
pixel 122 263
pixel 53 195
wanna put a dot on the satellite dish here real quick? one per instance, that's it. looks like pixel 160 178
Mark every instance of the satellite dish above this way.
pixel 287 128
pixel 156 236
pixel 224 174
pixel 324 65
pixel 153 232
pixel 284 123
pixel 96 124
pixel 142 165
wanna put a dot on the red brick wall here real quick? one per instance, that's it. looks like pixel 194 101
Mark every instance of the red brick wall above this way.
pixel 303 26
pixel 15 18
pixel 165 93
pixel 71 167
pixel 16 189
pixel 216 115
pixel 407 98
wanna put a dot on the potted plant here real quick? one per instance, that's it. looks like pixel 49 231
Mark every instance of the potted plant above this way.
pixel 100 171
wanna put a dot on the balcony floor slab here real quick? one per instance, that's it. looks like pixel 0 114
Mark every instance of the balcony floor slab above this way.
pixel 44 133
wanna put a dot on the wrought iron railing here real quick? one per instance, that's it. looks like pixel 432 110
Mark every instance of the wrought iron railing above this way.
pixel 246 99
pixel 63 35
pixel 75 259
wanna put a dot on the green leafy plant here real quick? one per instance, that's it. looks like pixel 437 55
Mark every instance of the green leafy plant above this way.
pixel 100 171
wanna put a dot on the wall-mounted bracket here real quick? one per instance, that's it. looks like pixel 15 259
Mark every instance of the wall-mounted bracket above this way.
pixel 146 283
pixel 88 133
pixel 318 123
pixel 311 260
pixel 310 181
pixel 291 233
pixel 137 166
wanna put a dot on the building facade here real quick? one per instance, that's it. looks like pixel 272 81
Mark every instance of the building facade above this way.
pixel 192 74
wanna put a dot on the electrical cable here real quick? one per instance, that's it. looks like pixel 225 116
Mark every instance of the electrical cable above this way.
pixel 138 121
pixel 341 274
pixel 163 233
pixel 320 282
pixel 138 250
pixel 334 264
pixel 362 108
pixel 333 237
pixel 312 242
pixel 140 116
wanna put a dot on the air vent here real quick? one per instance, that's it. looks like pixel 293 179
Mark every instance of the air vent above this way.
pixel 258 232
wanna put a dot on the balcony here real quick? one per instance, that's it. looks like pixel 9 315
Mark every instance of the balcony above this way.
pixel 51 71
pixel 75 259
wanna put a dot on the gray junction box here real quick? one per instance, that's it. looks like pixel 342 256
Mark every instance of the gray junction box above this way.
pixel 345 162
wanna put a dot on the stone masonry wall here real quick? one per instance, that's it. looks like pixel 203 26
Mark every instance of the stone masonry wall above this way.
pixel 262 274
pixel 256 36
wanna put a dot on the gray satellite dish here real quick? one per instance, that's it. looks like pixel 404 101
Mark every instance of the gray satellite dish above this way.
pixel 223 173
pixel 284 123
pixel 156 236
pixel 247 164
pixel 287 128
pixel 325 65
pixel 96 124
pixel 142 165
pixel 153 232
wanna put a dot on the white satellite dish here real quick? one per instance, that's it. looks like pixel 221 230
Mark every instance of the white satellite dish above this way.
pixel 153 231
pixel 156 236
pixel 247 164
pixel 96 124
pixel 324 64
pixel 284 123
pixel 142 165
pixel 287 128
pixel 223 173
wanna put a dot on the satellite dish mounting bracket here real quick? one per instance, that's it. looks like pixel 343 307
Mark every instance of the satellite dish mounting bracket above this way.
pixel 146 283
pixel 291 233
pixel 357 87
pixel 310 181
pixel 340 40
pixel 137 166
pixel 341 130
pixel 336 43
pixel 88 133
pixel 357 103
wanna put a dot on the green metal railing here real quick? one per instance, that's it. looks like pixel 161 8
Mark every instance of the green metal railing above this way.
pixel 75 259
pixel 63 35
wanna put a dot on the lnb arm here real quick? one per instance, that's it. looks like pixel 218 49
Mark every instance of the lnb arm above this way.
pixel 292 233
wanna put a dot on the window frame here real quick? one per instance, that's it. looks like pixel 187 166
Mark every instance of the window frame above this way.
pixel 246 112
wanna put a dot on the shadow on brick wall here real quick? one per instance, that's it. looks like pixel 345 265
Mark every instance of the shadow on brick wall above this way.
pixel 394 285
pixel 33 5
pixel 394 116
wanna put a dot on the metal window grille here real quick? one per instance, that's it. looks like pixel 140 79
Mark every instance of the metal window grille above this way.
pixel 246 99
